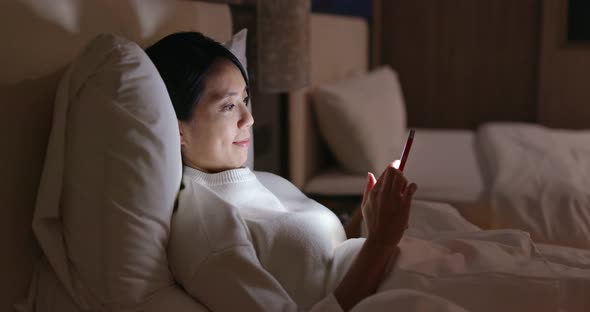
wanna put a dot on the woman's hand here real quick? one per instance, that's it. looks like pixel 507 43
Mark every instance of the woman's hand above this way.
pixel 353 228
pixel 368 188
pixel 387 208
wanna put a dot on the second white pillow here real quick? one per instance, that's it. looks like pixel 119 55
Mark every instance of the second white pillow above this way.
pixel 363 120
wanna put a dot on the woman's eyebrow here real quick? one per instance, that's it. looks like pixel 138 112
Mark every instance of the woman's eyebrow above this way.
pixel 222 96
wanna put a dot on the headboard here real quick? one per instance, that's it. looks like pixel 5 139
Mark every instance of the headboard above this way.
pixel 339 49
pixel 39 38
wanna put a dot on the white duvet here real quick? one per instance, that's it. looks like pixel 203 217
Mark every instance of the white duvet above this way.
pixel 539 181
pixel 448 264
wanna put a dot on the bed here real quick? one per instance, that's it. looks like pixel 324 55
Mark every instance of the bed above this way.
pixel 30 79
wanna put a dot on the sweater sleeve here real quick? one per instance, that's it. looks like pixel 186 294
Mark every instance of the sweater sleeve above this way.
pixel 212 257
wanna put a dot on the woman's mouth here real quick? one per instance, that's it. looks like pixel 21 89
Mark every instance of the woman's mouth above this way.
pixel 243 143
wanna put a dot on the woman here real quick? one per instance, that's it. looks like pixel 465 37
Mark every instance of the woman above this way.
pixel 236 246
pixel 239 244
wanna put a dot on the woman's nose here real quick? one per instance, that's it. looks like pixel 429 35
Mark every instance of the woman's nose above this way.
pixel 247 120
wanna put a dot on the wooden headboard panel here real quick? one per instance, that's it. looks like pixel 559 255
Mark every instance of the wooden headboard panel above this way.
pixel 339 49
pixel 39 38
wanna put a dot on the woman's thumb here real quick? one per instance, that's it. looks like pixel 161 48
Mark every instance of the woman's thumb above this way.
pixel 369 186
pixel 371 181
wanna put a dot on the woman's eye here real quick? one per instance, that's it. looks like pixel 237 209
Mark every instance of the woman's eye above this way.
pixel 246 100
pixel 229 107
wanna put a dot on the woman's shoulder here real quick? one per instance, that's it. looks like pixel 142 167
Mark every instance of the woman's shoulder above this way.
pixel 208 217
pixel 202 226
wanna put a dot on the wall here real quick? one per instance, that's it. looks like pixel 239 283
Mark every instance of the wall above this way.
pixel 564 81
pixel 463 62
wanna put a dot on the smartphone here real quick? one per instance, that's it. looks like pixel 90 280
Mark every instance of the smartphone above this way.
pixel 406 151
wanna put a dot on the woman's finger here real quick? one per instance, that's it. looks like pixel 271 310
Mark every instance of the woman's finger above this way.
pixel 372 178
pixel 389 177
pixel 370 184
pixel 367 190
pixel 398 183
pixel 404 186
pixel 409 194
pixel 410 190
pixel 380 181
pixel 407 201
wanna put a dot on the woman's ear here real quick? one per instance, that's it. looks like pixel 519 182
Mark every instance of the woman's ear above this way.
pixel 182 131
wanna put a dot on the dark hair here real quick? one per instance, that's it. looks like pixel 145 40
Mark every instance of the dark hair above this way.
pixel 183 60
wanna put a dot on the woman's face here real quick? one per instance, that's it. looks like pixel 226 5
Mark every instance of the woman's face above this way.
pixel 217 136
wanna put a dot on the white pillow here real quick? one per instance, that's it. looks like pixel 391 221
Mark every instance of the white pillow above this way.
pixel 111 175
pixel 122 173
pixel 363 120
pixel 237 45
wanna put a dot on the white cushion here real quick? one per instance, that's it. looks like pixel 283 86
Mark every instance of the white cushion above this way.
pixel 122 173
pixel 363 120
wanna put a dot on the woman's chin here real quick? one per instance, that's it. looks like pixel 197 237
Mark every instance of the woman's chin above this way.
pixel 243 164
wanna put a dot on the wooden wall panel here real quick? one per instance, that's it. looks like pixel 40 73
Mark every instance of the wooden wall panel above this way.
pixel 463 62
pixel 564 85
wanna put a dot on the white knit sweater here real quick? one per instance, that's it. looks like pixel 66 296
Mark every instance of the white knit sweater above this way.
pixel 239 245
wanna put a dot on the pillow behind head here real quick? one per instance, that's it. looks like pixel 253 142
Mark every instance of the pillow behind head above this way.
pixel 112 172
pixel 363 120
pixel 122 173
